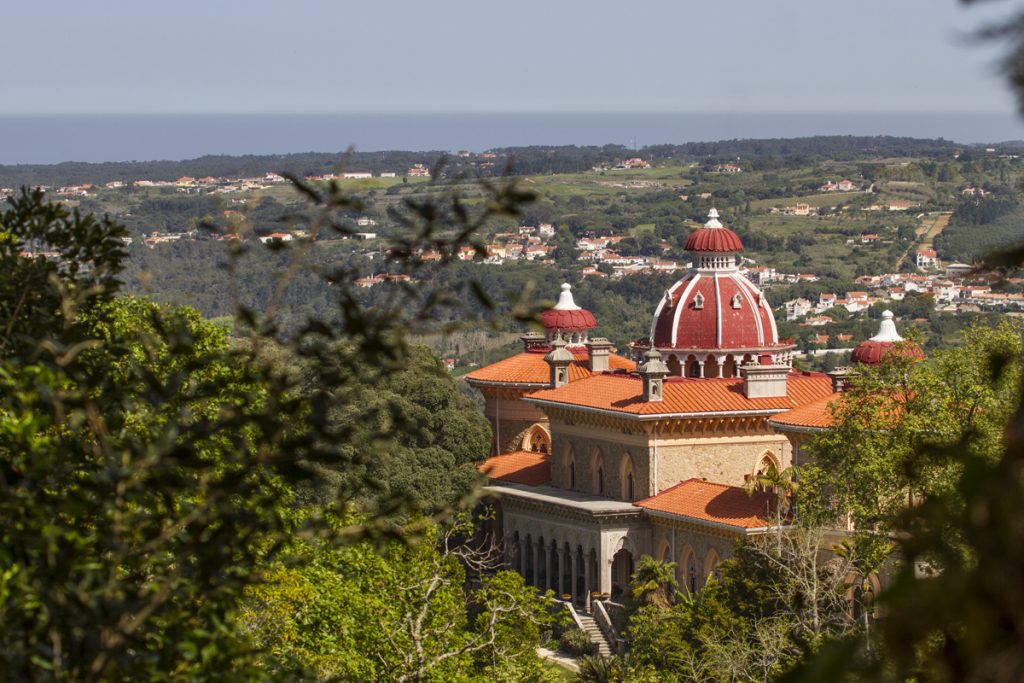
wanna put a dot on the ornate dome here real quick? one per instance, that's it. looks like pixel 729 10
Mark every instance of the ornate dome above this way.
pixel 872 351
pixel 568 319
pixel 714 306
pixel 714 311
pixel 713 237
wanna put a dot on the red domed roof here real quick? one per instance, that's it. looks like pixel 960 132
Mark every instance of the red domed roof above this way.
pixel 580 319
pixel 566 315
pixel 888 340
pixel 871 352
pixel 713 237
pixel 714 311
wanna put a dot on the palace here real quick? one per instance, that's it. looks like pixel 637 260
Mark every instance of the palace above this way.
pixel 599 458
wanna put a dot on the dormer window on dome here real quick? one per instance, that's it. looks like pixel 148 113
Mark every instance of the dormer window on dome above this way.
pixel 698 301
pixel 736 301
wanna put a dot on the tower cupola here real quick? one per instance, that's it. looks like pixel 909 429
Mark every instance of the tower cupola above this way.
pixel 887 340
pixel 568 320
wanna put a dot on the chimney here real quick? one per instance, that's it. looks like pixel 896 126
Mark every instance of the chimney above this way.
pixel 653 372
pixel 558 359
pixel 532 341
pixel 840 378
pixel 764 380
pixel 599 348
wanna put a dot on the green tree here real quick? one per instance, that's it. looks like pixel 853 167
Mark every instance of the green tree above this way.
pixel 782 485
pixel 148 466
pixel 867 465
pixel 654 582
pixel 398 613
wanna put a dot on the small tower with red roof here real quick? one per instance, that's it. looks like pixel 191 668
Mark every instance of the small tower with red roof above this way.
pixel 568 320
pixel 888 340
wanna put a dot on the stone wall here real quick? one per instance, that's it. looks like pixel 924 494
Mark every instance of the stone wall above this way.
pixel 723 458
pixel 610 450
pixel 510 417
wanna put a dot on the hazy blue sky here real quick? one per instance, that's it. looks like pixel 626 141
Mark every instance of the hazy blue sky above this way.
pixel 270 56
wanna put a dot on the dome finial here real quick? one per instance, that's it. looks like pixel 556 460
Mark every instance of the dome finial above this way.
pixel 713 221
pixel 887 330
pixel 565 300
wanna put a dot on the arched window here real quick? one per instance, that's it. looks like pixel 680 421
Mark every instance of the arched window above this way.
pixel 768 462
pixel 674 367
pixel 626 477
pixel 537 440
pixel 711 566
pixel 729 367
pixel 663 551
pixel 711 367
pixel 688 570
pixel 698 301
pixel 736 300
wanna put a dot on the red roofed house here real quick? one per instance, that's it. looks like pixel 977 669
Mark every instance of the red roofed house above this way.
pixel 599 459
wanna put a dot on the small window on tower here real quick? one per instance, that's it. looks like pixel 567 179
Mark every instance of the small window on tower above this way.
pixel 735 300
pixel 698 301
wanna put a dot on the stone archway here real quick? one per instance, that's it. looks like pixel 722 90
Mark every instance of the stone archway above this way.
pixel 622 572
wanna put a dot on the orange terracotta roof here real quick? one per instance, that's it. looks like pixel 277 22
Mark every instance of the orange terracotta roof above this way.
pixel 530 367
pixel 622 393
pixel 518 467
pixel 813 416
pixel 710 502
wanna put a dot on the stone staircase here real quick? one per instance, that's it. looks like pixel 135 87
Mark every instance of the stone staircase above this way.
pixel 595 634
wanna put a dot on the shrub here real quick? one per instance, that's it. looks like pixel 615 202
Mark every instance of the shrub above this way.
pixel 576 642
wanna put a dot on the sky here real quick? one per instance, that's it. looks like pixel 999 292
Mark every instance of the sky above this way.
pixel 653 56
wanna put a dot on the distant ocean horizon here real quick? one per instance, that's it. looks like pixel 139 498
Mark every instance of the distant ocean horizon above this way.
pixel 50 139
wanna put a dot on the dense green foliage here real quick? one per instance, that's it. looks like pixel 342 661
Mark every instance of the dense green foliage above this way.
pixel 980 226
pixel 868 465
pixel 149 467
pixel 439 432
pixel 753 619
pixel 399 613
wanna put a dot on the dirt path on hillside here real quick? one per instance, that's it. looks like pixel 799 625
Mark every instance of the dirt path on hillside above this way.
pixel 930 228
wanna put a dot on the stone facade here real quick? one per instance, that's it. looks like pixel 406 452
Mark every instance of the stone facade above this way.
pixel 511 418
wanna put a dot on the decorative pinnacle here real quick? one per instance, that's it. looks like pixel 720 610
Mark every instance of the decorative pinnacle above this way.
pixel 887 330
pixel 713 221
pixel 565 300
